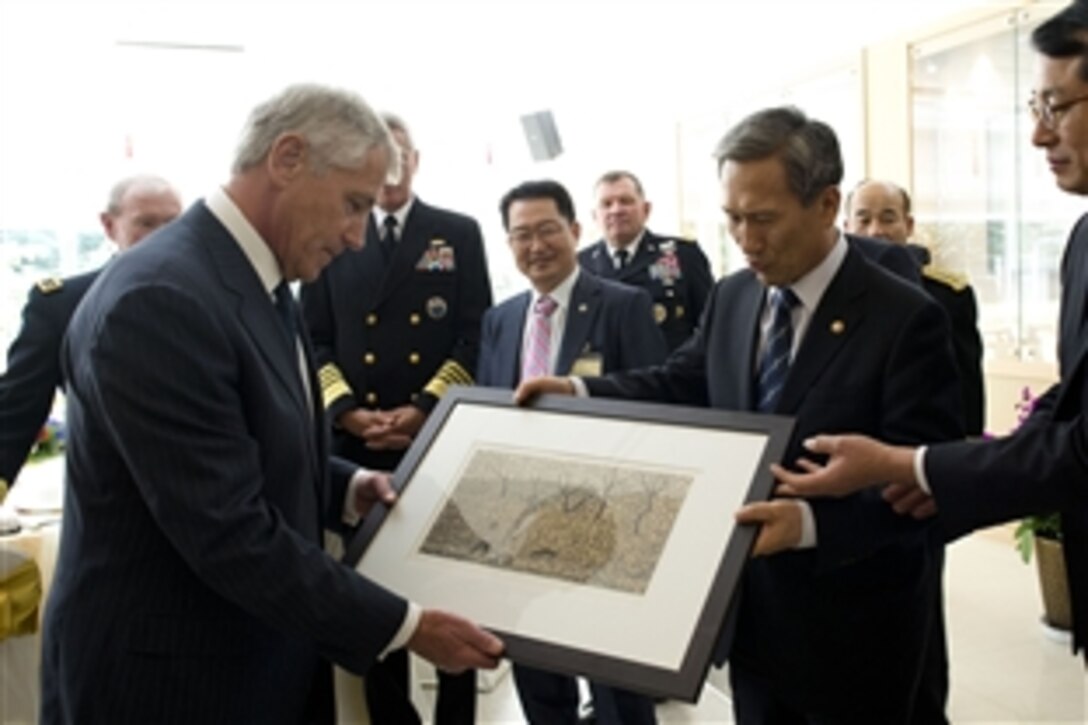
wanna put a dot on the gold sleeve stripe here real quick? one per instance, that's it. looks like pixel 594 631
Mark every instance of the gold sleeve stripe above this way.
pixel 333 385
pixel 3 489
pixel 451 373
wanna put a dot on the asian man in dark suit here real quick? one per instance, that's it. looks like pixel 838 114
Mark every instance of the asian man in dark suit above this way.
pixel 814 330
pixel 1043 466
pixel 569 322
pixel 394 324
pixel 137 206
pixel 673 270
pixel 191 583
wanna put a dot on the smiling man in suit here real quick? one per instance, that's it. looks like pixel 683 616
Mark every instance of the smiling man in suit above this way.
pixel 570 322
pixel 813 330
pixel 673 270
pixel 191 584
pixel 394 324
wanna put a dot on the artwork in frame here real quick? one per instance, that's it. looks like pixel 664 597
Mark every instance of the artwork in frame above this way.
pixel 595 537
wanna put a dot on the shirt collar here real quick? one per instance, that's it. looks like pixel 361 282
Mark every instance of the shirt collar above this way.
pixel 632 248
pixel 811 287
pixel 252 243
pixel 401 215
pixel 562 292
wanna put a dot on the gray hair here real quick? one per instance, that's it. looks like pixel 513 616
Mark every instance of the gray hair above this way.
pixel 339 127
pixel 396 123
pixel 808 148
pixel 147 183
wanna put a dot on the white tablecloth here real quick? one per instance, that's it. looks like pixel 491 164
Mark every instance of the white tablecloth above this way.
pixel 36 500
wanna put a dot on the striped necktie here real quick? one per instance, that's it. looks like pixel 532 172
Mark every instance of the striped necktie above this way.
pixel 537 354
pixel 774 363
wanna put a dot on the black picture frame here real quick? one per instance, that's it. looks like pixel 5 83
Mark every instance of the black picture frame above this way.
pixel 467 417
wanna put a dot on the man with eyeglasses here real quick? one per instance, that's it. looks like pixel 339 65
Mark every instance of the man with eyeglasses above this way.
pixel 570 322
pixel 1043 466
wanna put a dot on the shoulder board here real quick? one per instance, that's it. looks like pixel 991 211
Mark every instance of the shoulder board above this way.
pixel 49 285
pixel 955 280
pixel 683 240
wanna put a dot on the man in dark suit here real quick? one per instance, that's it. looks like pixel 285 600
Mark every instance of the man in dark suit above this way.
pixel 191 584
pixel 882 210
pixel 673 270
pixel 570 322
pixel 137 206
pixel 814 330
pixel 1043 466
pixel 394 324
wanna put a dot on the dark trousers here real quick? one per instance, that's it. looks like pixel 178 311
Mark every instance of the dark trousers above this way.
pixel 548 698
pixel 389 702
pixel 932 697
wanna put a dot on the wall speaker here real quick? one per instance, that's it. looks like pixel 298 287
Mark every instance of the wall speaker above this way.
pixel 542 135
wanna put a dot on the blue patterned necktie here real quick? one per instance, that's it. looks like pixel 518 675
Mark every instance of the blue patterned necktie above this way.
pixel 774 363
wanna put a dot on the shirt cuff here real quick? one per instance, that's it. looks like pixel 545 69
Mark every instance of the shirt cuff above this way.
pixel 351 515
pixel 808 526
pixel 920 470
pixel 579 385
pixel 407 629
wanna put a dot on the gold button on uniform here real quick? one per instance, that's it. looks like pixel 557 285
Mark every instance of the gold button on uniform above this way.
pixel 414 358
pixel 414 319
pixel 371 319
pixel 369 358
pixel 372 398
pixel 413 397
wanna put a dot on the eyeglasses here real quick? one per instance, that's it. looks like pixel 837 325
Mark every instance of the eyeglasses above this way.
pixel 1049 113
pixel 546 232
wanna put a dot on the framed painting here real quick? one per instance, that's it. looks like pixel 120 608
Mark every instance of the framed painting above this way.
pixel 595 537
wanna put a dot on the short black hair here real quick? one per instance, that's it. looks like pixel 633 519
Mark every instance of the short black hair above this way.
pixel 542 189
pixel 1065 36
pixel 808 149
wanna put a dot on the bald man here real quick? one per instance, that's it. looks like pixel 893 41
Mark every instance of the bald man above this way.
pixel 137 205
pixel 882 210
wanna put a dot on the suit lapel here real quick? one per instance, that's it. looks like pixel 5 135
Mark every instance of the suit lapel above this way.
pixel 257 315
pixel 746 312
pixel 600 261
pixel 511 334
pixel 838 315
pixel 585 302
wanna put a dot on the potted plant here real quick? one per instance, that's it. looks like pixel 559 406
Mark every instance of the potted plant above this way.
pixel 1043 535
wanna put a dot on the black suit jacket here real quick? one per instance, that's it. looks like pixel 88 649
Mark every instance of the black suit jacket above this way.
pixel 608 324
pixel 33 374
pixel 399 334
pixel 874 359
pixel 191 584
pixel 673 270
pixel 1043 467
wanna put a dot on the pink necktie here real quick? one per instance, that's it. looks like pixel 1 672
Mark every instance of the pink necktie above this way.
pixel 534 359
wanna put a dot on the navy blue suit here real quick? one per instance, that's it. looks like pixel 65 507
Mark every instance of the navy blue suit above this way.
pixel 1043 467
pixel 838 631
pixel 191 585
pixel 33 374
pixel 612 326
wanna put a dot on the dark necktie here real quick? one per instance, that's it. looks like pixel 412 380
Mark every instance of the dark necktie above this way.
pixel 389 236
pixel 774 363
pixel 285 307
pixel 621 258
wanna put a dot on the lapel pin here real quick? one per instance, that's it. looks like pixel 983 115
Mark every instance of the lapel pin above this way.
pixel 583 307
pixel 838 327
